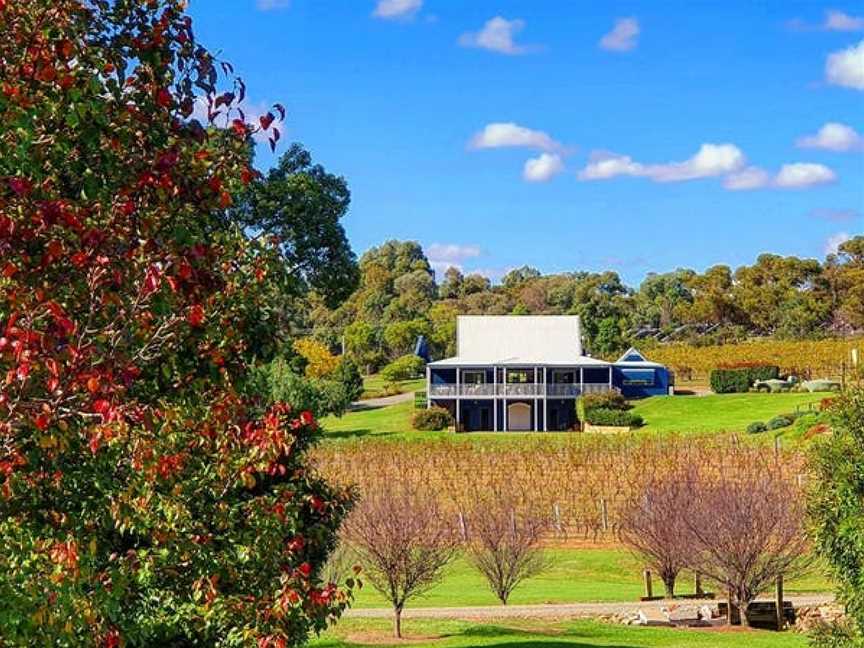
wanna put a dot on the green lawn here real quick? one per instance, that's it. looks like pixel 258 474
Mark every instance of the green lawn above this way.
pixel 717 412
pixel 425 633
pixel 662 414
pixel 576 575
pixel 375 386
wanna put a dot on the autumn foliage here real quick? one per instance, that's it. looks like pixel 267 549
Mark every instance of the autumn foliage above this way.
pixel 147 497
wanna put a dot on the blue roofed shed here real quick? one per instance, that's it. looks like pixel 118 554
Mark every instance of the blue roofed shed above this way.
pixel 638 377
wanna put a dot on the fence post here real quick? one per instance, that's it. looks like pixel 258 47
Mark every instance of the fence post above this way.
pixel 781 617
pixel 462 529
pixel 557 511
pixel 604 514
pixel 649 590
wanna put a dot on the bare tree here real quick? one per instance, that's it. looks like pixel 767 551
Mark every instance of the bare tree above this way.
pixel 403 541
pixel 746 530
pixel 654 527
pixel 503 541
pixel 340 564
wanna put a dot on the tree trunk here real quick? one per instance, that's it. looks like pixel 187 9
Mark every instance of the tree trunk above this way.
pixel 397 622
pixel 742 610
pixel 669 586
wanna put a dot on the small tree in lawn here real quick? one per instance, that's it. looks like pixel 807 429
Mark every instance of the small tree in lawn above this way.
pixel 654 527
pixel 402 540
pixel 745 530
pixel 503 541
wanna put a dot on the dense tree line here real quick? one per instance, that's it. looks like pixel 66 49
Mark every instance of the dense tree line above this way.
pixel 398 299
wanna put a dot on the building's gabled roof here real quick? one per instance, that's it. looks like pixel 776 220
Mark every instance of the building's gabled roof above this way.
pixel 634 358
pixel 523 340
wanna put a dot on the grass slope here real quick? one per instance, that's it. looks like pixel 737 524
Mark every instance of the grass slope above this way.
pixel 717 412
pixel 422 633
pixel 375 386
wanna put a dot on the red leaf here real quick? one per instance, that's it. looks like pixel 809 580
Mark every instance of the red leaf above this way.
pixel 164 98
pixel 266 120
pixel 195 317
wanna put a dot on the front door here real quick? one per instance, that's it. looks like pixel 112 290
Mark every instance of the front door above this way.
pixel 519 417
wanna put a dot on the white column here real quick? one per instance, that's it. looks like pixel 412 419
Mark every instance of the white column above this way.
pixel 458 401
pixel 536 425
pixel 494 398
pixel 505 399
pixel 581 380
pixel 610 377
pixel 544 401
pixel 428 387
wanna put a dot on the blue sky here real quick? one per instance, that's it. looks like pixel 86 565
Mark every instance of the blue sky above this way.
pixel 633 136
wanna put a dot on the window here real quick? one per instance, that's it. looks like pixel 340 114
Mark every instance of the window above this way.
pixel 643 377
pixel 474 377
pixel 515 376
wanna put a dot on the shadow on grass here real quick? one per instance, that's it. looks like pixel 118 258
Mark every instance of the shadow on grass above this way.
pixel 352 434
pixel 525 638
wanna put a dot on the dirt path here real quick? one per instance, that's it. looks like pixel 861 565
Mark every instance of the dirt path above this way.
pixel 384 401
pixel 553 611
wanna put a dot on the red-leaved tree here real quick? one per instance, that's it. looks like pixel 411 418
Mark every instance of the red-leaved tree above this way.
pixel 147 496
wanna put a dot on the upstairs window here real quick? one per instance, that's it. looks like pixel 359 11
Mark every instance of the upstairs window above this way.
pixel 474 377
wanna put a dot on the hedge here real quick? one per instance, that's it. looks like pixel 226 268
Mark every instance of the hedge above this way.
pixel 618 418
pixel 737 380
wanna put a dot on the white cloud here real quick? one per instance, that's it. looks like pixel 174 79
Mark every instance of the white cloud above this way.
pixel 543 168
pixel 840 21
pixel 799 175
pixel 833 136
pixel 268 5
pixel 834 242
pixel 710 160
pixel 451 252
pixel 750 178
pixel 496 35
pixel 394 9
pixel 509 134
pixel 623 36
pixel 846 67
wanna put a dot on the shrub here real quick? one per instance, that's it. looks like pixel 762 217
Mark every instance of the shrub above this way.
pixel 737 379
pixel 611 400
pixel 404 368
pixel 432 419
pixel 779 422
pixel 756 427
pixel 604 416
pixel 730 381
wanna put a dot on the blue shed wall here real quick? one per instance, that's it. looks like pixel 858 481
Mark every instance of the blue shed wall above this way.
pixel 662 382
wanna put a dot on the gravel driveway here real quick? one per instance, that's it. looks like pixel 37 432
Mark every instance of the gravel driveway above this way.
pixel 554 611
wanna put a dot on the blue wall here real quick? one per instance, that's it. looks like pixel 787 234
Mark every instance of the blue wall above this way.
pixel 661 376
